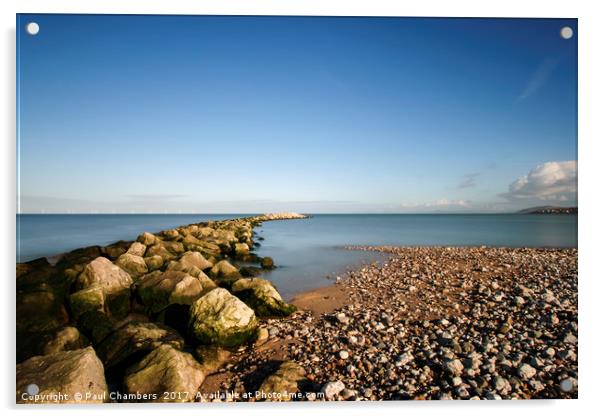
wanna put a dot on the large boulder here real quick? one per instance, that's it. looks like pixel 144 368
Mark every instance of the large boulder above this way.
pixel 262 296
pixel 114 282
pixel 40 309
pixel 137 248
pixel 221 319
pixel 190 262
pixel 103 273
pixel 132 264
pixel 158 290
pixel 211 357
pixel 153 262
pixel 283 385
pixel 147 238
pixel 31 344
pixel 134 338
pixel 225 273
pixel 60 376
pixel 241 249
pixel 160 250
pixel 86 300
pixel 165 369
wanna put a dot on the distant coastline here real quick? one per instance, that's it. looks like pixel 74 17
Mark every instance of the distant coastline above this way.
pixel 549 210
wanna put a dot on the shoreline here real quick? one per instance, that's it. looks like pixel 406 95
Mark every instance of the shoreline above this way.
pixel 483 312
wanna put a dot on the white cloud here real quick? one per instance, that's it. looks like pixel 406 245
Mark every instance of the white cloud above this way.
pixel 551 181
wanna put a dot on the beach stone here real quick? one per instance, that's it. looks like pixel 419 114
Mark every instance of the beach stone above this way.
pixel 165 369
pixel 344 354
pixel 283 385
pixel 147 239
pixel 332 389
pixel 66 373
pixel 262 297
pixel 137 248
pixel 454 367
pixel 158 290
pixel 190 260
pixel 225 272
pixel 525 371
pixel 135 338
pixel 132 264
pixel 222 319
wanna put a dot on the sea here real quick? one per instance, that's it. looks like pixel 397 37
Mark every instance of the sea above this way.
pixel 309 253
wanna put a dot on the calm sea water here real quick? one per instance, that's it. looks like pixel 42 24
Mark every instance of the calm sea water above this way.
pixel 308 252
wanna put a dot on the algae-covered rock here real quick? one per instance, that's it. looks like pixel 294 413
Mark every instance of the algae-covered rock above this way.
pixel 66 338
pixel 41 309
pixel 160 250
pixel 262 296
pixel 225 273
pixel 158 290
pixel 267 263
pixel 222 319
pixel 90 299
pixel 64 373
pixel 136 337
pixel 170 234
pixel 137 248
pixel 63 339
pixel 190 260
pixel 147 238
pixel 283 385
pixel 132 264
pixel 96 325
pixel 165 369
pixel 153 262
pixel 241 249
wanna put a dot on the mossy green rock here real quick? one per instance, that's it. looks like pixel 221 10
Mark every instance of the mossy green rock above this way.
pixel 136 337
pixel 147 238
pixel 66 373
pixel 90 299
pixel 166 369
pixel 153 262
pixel 262 296
pixel 190 260
pixel 132 264
pixel 158 290
pixel 222 319
pixel 225 273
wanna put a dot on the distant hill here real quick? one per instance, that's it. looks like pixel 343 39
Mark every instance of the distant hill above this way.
pixel 549 210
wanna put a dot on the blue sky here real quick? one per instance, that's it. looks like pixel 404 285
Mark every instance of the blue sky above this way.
pixel 255 114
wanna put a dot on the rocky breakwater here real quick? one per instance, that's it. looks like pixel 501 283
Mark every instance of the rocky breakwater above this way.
pixel 128 316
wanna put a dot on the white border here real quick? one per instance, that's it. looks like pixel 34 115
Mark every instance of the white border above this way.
pixel 590 211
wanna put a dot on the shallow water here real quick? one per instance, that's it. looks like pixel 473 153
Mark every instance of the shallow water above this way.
pixel 308 252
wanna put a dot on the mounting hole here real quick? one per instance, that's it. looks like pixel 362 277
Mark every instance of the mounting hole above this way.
pixel 566 32
pixel 32 28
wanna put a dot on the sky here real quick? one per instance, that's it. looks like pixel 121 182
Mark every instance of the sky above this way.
pixel 215 114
